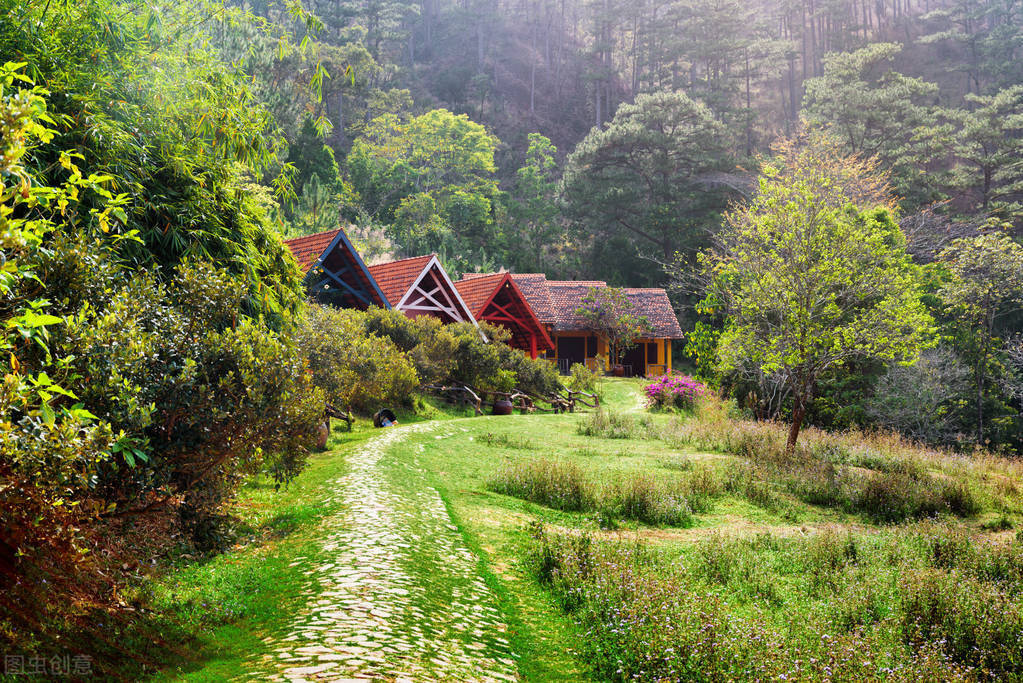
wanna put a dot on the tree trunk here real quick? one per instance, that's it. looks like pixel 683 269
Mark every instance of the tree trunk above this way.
pixel 532 72
pixel 428 25
pixel 798 413
pixel 749 108
pixel 340 135
pixel 479 43
pixel 979 376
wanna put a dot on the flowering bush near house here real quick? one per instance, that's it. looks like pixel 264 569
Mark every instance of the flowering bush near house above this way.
pixel 674 391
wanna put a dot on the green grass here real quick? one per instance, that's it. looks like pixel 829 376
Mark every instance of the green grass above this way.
pixel 464 464
pixel 234 600
pixel 766 555
pixel 759 558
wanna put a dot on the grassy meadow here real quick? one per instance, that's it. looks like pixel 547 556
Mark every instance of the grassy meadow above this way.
pixel 693 547
pixel 628 545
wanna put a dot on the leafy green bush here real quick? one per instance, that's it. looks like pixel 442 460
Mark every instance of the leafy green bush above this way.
pixel 429 343
pixel 355 369
pixel 534 376
pixel 137 398
pixel 581 378
pixel 52 448
pixel 206 394
pixel 894 497
pixel 183 168
pixel 458 353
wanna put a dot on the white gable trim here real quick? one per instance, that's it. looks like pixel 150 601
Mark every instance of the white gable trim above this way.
pixel 466 313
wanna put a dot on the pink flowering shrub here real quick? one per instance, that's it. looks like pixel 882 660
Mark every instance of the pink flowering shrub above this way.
pixel 674 392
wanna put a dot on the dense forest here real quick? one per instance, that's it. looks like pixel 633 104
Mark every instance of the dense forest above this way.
pixel 159 346
pixel 606 140
pixel 930 88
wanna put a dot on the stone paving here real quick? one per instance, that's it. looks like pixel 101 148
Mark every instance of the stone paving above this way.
pixel 400 595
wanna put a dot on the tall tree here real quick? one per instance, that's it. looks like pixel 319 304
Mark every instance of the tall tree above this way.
pixel 533 207
pixel 982 40
pixel 986 284
pixel 810 281
pixel 653 174
pixel 989 151
pixel 876 111
pixel 431 179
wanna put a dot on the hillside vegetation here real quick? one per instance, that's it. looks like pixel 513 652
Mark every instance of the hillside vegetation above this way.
pixel 831 192
pixel 693 548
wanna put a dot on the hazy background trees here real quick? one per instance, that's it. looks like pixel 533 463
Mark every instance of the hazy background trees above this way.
pixel 605 139
pixel 617 134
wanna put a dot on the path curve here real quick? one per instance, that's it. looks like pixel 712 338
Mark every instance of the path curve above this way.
pixel 400 594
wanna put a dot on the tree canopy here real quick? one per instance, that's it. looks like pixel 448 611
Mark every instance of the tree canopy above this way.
pixel 811 281
pixel 655 172
pixel 431 178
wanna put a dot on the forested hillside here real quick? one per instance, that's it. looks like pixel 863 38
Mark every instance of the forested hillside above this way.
pixel 607 140
pixel 930 87
pixel 830 190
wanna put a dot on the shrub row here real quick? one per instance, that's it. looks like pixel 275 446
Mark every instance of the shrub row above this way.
pixel 459 353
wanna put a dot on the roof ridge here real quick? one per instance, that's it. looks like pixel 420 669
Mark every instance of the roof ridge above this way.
pixel 291 240
pixel 404 260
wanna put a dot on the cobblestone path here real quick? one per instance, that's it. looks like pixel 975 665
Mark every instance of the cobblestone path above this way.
pixel 400 596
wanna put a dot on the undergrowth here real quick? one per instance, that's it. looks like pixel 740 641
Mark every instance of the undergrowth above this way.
pixel 922 603
pixel 609 424
pixel 642 497
pixel 880 476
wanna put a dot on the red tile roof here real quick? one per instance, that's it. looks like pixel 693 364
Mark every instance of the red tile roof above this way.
pixel 307 249
pixel 654 304
pixel 566 297
pixel 537 292
pixel 477 289
pixel 555 301
pixel 396 278
pixel 496 297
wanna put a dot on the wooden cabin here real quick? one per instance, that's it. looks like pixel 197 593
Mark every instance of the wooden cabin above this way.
pixel 420 286
pixel 335 274
pixel 554 303
pixel 496 298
